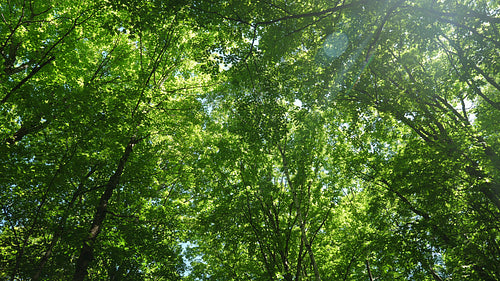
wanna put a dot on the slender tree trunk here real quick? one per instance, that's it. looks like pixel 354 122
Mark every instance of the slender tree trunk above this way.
pixel 298 273
pixel 87 251
pixel 490 189
pixel 60 230
pixel 37 215
pixel 28 77
pixel 369 270
pixel 348 269
pixel 434 275
pixel 305 240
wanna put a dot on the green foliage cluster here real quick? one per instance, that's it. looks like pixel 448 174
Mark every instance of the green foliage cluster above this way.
pixel 222 140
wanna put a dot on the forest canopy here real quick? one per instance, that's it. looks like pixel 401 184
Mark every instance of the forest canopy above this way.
pixel 250 140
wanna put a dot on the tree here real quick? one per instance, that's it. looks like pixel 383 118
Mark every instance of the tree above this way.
pixel 268 140
pixel 78 100
pixel 391 78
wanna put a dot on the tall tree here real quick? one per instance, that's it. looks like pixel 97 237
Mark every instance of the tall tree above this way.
pixel 83 83
pixel 262 140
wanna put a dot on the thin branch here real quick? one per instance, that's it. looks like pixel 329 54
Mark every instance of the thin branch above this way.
pixel 31 74
pixel 285 18
pixel 369 270
pixel 353 258
pixel 136 218
pixel 306 15
pixel 251 44
pixel 309 24
pixel 13 30
pixel 458 24
pixel 299 214
pixel 465 62
pixel 378 32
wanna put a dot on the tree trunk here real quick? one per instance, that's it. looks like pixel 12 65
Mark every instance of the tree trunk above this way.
pixel 367 262
pixel 306 242
pixel 86 253
pixel 60 230
pixel 26 130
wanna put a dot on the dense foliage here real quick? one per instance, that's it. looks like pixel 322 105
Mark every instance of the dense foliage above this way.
pixel 250 140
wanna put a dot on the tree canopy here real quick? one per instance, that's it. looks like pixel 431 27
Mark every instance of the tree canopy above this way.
pixel 250 140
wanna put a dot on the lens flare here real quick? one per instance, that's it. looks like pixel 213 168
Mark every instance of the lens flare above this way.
pixel 335 44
